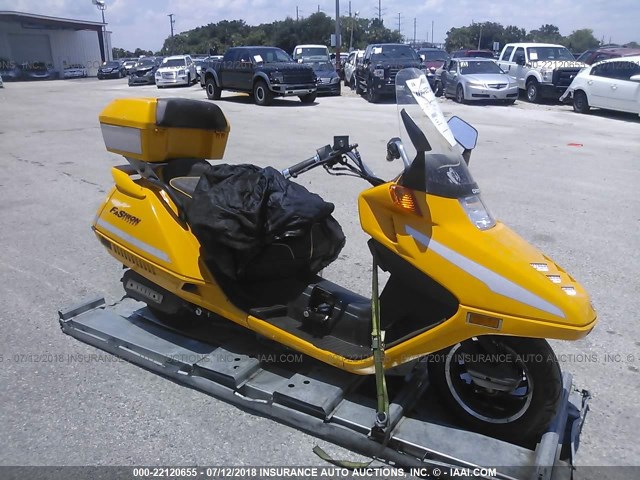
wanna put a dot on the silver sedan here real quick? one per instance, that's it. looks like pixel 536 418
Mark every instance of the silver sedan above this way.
pixel 475 79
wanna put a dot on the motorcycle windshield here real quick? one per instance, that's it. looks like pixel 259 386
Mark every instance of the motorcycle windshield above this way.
pixel 437 166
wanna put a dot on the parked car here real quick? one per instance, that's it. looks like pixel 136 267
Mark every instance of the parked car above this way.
pixel 128 66
pixel 176 70
pixel 540 69
pixel 604 53
pixel 1 84
pixel 476 79
pixel 38 71
pixel 472 53
pixel 376 76
pixel 75 71
pixel 350 65
pixel 111 69
pixel 328 78
pixel 311 53
pixel 10 70
pixel 144 72
pixel 264 72
pixel 433 59
pixel 611 84
pixel 199 62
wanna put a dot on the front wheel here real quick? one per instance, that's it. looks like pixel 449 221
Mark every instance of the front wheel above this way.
pixel 533 91
pixel 460 94
pixel 580 102
pixel 437 88
pixel 372 95
pixel 261 93
pixel 505 387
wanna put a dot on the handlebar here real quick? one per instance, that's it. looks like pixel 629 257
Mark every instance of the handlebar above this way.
pixel 302 166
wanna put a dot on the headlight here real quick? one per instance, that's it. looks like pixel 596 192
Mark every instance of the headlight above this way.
pixel 335 80
pixel 477 212
pixel 477 85
pixel 158 74
pixel 547 75
pixel 182 72
pixel 378 72
pixel 277 77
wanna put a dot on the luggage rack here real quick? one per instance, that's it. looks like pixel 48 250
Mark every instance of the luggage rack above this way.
pixel 320 400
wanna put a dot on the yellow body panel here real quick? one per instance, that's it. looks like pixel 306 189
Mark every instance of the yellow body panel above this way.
pixel 129 128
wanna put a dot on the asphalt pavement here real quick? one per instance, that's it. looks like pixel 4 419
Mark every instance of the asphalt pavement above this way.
pixel 566 182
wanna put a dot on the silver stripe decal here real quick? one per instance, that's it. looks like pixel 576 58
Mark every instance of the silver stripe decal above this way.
pixel 134 241
pixel 125 139
pixel 496 283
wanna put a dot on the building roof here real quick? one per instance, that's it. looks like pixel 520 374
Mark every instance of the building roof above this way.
pixel 41 21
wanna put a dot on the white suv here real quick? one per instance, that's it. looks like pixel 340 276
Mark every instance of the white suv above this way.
pixel 176 70
pixel 350 65
pixel 612 84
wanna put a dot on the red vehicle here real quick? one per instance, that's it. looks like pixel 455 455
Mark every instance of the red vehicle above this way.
pixel 433 59
pixel 596 55
pixel 473 53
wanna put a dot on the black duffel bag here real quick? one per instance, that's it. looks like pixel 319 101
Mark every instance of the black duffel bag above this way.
pixel 255 225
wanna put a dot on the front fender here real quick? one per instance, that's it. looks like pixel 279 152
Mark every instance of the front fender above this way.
pixel 211 73
pixel 262 76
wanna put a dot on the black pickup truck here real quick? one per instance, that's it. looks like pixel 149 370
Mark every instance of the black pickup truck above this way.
pixel 262 72
pixel 376 75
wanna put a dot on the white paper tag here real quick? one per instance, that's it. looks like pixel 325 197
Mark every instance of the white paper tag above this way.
pixel 533 55
pixel 377 50
pixel 429 104
pixel 258 58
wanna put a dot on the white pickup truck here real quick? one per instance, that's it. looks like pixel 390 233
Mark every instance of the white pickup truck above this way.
pixel 541 69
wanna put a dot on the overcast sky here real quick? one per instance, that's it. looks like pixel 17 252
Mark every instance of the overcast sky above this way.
pixel 144 23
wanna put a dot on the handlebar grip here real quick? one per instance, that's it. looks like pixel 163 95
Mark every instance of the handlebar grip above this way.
pixel 300 167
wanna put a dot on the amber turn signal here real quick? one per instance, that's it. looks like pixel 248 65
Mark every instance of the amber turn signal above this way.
pixel 404 198
pixel 484 320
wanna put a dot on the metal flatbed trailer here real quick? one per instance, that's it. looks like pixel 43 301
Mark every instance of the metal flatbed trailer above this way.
pixel 232 365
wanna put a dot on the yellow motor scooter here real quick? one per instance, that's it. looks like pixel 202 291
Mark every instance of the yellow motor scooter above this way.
pixel 464 291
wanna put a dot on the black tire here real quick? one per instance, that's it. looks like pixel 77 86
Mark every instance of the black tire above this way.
pixel 353 82
pixel 372 95
pixel 580 102
pixel 358 88
pixel 437 89
pixel 188 79
pixel 510 101
pixel 533 91
pixel 459 94
pixel 309 98
pixel 261 93
pixel 183 320
pixel 213 91
pixel 511 416
pixel 339 91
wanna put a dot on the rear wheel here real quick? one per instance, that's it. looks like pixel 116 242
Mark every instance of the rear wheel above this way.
pixel 188 79
pixel 460 94
pixel 505 387
pixel 358 88
pixel 580 102
pixel 213 91
pixel 261 93
pixel 533 91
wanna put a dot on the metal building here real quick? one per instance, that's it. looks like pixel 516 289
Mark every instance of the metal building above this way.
pixel 27 38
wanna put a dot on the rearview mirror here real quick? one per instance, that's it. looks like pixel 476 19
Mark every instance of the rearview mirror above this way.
pixel 465 134
pixel 635 78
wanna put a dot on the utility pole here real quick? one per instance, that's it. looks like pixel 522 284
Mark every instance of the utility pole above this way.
pixel 414 31
pixel 379 10
pixel 399 23
pixel 297 14
pixel 480 36
pixel 171 22
pixel 338 39
pixel 431 33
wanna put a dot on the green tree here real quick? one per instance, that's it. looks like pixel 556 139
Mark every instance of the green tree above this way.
pixel 546 33
pixel 581 40
pixel 513 34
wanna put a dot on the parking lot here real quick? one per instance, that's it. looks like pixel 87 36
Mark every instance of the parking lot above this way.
pixel 566 182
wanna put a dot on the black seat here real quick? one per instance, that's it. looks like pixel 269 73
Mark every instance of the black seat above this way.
pixel 182 175
pixel 187 113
